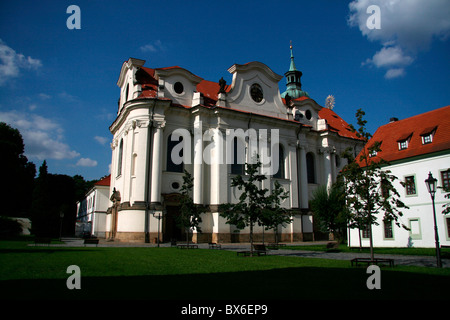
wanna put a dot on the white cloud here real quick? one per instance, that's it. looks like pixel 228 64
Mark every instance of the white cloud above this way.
pixel 12 62
pixel 101 140
pixel 155 46
pixel 407 27
pixel 43 137
pixel 86 162
pixel 390 56
pixel 44 96
pixel 394 73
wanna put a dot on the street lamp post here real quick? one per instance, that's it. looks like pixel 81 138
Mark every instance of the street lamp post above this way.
pixel 431 186
pixel 159 217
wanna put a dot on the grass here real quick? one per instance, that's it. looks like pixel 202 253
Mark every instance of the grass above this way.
pixel 445 252
pixel 28 272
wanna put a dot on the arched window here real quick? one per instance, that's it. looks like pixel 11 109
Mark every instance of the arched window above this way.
pixel 237 167
pixel 119 159
pixel 170 164
pixel 281 170
pixel 126 92
pixel 310 168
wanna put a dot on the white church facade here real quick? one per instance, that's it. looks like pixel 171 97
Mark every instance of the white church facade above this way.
pixel 146 171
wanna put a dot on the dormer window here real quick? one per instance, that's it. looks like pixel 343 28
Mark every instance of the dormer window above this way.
pixel 427 135
pixel 403 144
pixel 427 138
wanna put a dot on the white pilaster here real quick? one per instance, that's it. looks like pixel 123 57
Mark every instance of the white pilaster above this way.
pixel 157 161
pixel 198 161
pixel 303 179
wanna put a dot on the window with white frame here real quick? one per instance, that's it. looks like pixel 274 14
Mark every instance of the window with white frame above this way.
pixel 388 230
pixel 410 185
pixel 414 228
pixel 403 144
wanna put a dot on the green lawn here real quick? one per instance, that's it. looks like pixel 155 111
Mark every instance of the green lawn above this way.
pixel 28 272
pixel 445 252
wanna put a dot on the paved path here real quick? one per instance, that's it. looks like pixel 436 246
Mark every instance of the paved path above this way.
pixel 427 261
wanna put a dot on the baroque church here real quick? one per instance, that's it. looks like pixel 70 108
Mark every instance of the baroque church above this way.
pixel 157 102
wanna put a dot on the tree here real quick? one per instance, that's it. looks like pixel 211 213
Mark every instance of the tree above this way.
pixel 41 202
pixel 274 214
pixel 17 174
pixel 329 208
pixel 254 205
pixel 190 213
pixel 369 188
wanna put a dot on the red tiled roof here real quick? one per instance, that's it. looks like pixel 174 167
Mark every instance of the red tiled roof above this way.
pixel 413 128
pixel 337 124
pixel 106 181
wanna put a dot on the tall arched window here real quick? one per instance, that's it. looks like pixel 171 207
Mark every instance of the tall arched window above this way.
pixel 170 164
pixel 310 168
pixel 281 170
pixel 237 167
pixel 119 159
pixel 126 92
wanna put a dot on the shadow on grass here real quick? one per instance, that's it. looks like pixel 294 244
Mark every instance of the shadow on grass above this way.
pixel 305 283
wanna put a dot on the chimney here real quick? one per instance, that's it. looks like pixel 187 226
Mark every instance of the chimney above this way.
pixel 393 119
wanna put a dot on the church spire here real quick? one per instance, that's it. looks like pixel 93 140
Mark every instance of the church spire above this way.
pixel 292 66
pixel 293 83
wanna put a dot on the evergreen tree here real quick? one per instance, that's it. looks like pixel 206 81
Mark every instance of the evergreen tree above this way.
pixel 17 174
pixel 328 206
pixel 40 217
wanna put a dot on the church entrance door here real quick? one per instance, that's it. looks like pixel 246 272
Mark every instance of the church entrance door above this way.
pixel 171 230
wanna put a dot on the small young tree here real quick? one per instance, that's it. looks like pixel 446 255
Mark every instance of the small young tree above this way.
pixel 254 205
pixel 369 188
pixel 329 208
pixel 190 213
pixel 274 214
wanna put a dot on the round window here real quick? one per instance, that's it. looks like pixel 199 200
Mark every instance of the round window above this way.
pixel 308 114
pixel 175 185
pixel 256 92
pixel 178 87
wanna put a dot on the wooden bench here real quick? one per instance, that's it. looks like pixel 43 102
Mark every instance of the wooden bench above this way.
pixel 258 250
pixel 187 246
pixel 91 241
pixel 213 245
pixel 275 246
pixel 369 261
pixel 42 240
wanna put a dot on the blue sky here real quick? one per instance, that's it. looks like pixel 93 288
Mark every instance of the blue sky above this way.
pixel 58 86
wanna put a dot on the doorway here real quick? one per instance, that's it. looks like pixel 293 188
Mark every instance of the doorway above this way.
pixel 170 229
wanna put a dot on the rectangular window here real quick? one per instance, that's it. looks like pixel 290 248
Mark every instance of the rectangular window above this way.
pixel 388 231
pixel 365 232
pixel 448 227
pixel 414 226
pixel 445 176
pixel 410 185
